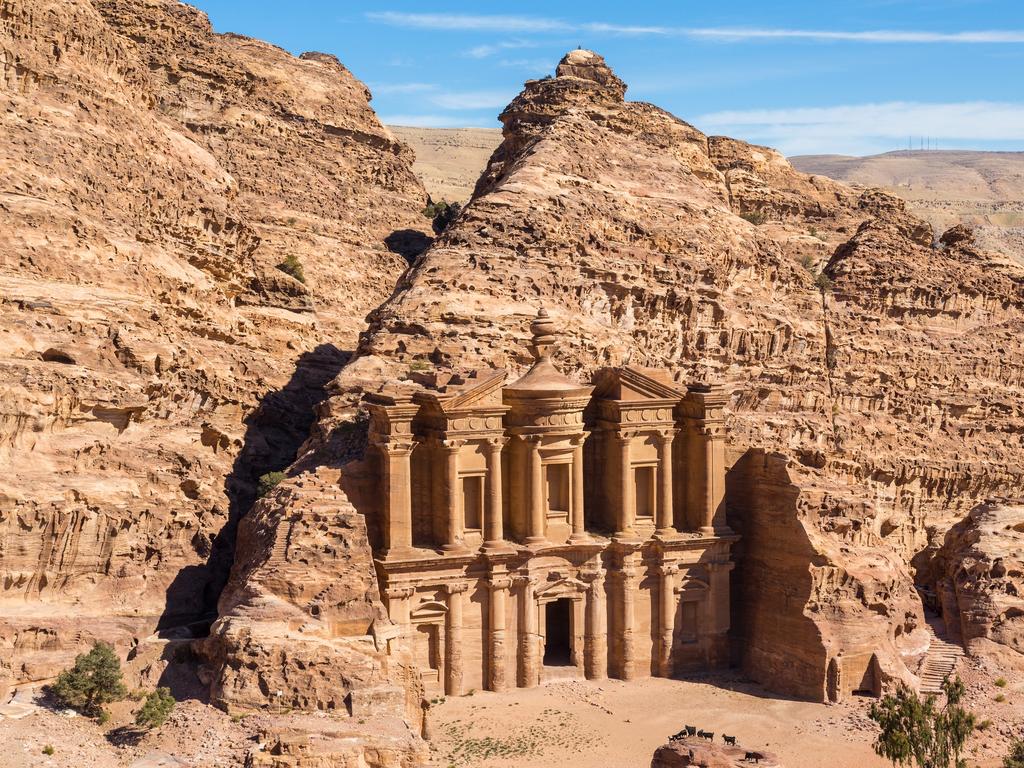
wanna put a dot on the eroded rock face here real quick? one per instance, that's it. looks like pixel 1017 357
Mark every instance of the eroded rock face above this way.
pixel 698 752
pixel 879 366
pixel 981 581
pixel 154 361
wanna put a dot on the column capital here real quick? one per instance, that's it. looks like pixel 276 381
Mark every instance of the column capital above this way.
pixel 666 569
pixel 456 587
pixel 398 592
pixel 626 435
pixel 394 445
pixel 525 581
pixel 495 444
pixel 594 578
pixel 666 435
pixel 577 440
pixel 450 445
pixel 534 438
pixel 499 583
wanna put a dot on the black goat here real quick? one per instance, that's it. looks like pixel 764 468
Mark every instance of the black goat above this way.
pixel 729 739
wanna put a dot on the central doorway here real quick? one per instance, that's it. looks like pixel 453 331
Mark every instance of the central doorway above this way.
pixel 558 637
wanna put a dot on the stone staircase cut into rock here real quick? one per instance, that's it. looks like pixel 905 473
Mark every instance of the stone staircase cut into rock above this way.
pixel 940 661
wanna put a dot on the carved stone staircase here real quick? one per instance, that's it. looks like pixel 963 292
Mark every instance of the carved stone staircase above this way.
pixel 941 659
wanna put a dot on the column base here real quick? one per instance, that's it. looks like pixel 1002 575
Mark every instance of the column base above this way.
pixel 626 537
pixel 458 548
pixel 535 541
pixel 666 533
pixel 710 530
pixel 401 553
pixel 580 538
pixel 499 547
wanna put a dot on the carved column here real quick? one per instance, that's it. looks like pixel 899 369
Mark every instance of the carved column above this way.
pixel 579 533
pixel 397 497
pixel 496 633
pixel 494 537
pixel 453 641
pixel 596 654
pixel 529 656
pixel 536 533
pixel 454 539
pixel 666 522
pixel 629 582
pixel 398 606
pixel 667 615
pixel 703 409
pixel 627 503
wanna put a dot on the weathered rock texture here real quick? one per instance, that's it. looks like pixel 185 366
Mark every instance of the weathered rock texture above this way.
pixel 154 361
pixel 876 376
pixel 981 577
pixel 698 752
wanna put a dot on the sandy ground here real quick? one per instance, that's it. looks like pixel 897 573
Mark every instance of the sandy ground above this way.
pixel 611 724
pixel 578 724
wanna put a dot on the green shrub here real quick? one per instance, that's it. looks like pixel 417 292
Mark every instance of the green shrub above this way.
pixel 48 750
pixel 292 266
pixel 807 262
pixel 441 214
pixel 1015 758
pixel 915 731
pixel 93 681
pixel 156 710
pixel 757 218
pixel 1000 698
pixel 1000 682
pixel 823 283
pixel 267 483
pixel 984 725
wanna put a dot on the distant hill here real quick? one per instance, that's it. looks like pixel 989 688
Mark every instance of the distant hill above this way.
pixel 985 189
pixel 449 160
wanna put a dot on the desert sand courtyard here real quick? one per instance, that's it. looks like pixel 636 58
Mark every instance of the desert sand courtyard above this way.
pixel 613 724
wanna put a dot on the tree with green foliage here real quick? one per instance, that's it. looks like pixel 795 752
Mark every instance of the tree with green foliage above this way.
pixel 292 266
pixel 917 731
pixel 156 709
pixel 1015 758
pixel 441 214
pixel 93 681
pixel 267 483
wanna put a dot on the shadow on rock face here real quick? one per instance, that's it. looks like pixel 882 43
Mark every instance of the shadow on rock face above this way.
pixel 275 430
pixel 408 243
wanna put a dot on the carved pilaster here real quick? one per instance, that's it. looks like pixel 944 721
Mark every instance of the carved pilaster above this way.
pixel 666 507
pixel 453 639
pixel 536 515
pixel 529 640
pixel 494 538
pixel 397 501
pixel 596 642
pixel 666 616
pixel 454 536
pixel 579 534
pixel 496 657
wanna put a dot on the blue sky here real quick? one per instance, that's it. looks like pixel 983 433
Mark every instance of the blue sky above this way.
pixel 830 76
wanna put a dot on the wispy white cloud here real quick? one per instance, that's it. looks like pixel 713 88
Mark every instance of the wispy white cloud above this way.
pixel 866 128
pixel 483 51
pixel 438 121
pixel 470 99
pixel 538 24
pixel 539 66
pixel 738 34
pixel 459 21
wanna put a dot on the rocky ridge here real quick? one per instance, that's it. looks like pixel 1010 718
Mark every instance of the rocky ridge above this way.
pixel 155 361
pixel 875 382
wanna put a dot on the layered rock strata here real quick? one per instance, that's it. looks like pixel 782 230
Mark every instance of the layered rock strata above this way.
pixel 875 382
pixel 154 361
pixel 980 577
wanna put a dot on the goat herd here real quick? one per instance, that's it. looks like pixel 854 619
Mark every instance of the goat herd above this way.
pixel 690 730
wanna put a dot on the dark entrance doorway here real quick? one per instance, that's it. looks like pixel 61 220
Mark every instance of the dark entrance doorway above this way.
pixel 558 638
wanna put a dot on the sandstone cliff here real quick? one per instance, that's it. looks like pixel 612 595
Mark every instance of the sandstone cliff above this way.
pixel 981 577
pixel 875 378
pixel 154 361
